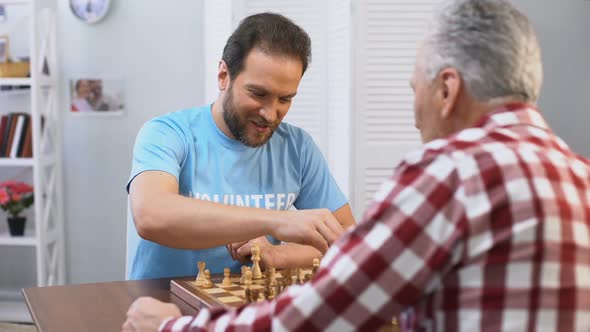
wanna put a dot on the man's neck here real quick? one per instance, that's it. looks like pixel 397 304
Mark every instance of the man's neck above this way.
pixel 217 114
pixel 473 111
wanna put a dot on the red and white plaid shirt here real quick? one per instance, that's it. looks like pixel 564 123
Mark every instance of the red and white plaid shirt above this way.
pixel 486 230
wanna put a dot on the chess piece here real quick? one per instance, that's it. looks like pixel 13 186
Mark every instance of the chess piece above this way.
pixel 260 297
pixel 267 285
pixel 299 275
pixel 207 282
pixel 293 280
pixel 256 272
pixel 287 279
pixel 244 267
pixel 280 286
pixel 254 294
pixel 273 272
pixel 316 266
pixel 201 274
pixel 248 278
pixel 226 277
pixel 267 293
pixel 248 295
pixel 274 287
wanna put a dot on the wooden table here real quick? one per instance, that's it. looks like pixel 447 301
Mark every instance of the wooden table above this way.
pixel 98 307
pixel 93 307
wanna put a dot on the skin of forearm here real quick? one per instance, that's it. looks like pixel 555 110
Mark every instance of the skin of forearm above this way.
pixel 186 223
pixel 293 255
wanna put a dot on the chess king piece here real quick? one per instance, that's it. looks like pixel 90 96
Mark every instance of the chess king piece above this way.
pixel 256 272
pixel 201 274
pixel 226 277
pixel 207 280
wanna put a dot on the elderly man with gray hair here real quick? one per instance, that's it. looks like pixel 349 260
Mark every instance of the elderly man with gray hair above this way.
pixel 484 228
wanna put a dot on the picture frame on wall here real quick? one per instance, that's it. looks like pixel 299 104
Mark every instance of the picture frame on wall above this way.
pixel 96 96
pixel 90 11
pixel 4 49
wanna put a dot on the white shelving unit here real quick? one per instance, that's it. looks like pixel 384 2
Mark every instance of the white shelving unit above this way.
pixel 46 238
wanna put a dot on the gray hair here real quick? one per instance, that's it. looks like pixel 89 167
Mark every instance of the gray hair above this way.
pixel 491 44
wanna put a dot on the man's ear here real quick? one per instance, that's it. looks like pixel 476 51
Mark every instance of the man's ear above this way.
pixel 222 76
pixel 451 85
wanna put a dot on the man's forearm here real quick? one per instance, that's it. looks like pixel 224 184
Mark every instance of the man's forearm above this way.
pixel 187 223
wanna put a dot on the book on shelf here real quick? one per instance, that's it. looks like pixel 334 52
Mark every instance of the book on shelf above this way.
pixel 22 136
pixel 16 136
pixel 11 130
pixel 3 122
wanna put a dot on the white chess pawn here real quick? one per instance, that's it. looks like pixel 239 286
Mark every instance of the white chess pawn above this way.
pixel 226 277
pixel 201 274
pixel 248 278
pixel 207 282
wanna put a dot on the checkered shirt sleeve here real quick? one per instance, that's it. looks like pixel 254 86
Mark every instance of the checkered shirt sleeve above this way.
pixel 484 231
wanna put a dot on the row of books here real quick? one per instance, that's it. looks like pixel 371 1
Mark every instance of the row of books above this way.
pixel 16 136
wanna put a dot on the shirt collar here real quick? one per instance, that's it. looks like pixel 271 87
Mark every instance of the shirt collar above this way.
pixel 513 114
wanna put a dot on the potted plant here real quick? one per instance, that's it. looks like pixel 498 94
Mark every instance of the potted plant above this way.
pixel 14 198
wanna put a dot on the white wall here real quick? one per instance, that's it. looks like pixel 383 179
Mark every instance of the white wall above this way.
pixel 563 29
pixel 156 47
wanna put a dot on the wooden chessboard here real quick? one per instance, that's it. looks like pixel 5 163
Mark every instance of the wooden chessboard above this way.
pixel 225 296
pixel 218 295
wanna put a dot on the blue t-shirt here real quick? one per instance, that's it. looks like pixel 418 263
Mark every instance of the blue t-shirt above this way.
pixel 289 170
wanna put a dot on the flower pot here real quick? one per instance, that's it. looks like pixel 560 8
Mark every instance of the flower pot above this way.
pixel 16 225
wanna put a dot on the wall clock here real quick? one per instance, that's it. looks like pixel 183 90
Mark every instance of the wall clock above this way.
pixel 90 11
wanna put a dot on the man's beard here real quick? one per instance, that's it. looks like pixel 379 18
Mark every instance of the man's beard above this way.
pixel 237 125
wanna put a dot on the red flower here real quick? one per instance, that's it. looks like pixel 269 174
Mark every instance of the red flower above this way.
pixel 4 197
pixel 22 188
pixel 15 197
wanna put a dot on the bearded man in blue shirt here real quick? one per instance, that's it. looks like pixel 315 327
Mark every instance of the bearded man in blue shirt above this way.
pixel 207 181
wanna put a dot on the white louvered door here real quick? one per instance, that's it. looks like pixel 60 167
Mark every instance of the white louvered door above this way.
pixel 387 34
pixel 355 99
pixel 338 87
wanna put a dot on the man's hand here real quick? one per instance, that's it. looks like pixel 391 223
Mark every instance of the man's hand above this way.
pixel 317 228
pixel 232 248
pixel 269 252
pixel 146 314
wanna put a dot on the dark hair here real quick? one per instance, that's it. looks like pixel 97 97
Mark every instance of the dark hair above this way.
pixel 271 33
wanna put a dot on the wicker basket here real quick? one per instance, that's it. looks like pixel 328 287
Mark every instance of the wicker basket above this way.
pixel 15 69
